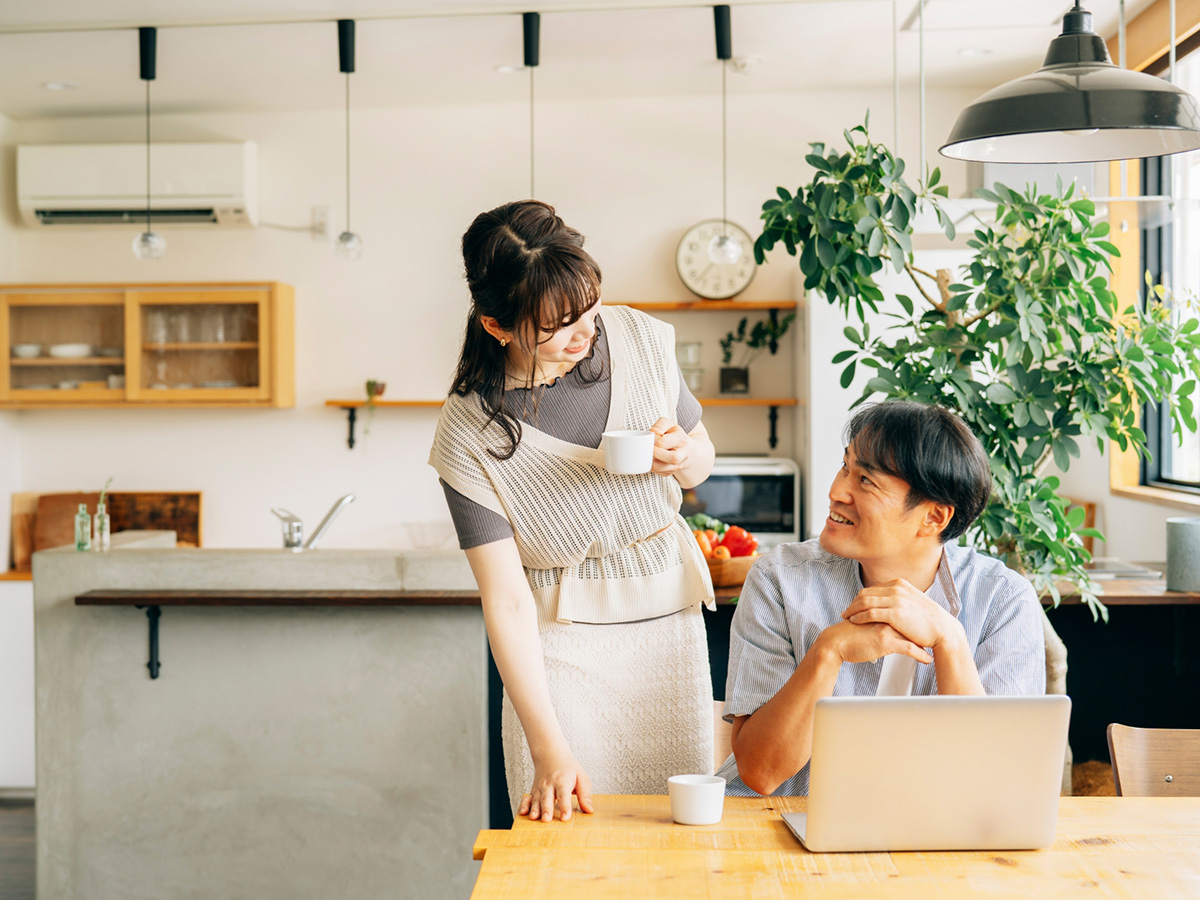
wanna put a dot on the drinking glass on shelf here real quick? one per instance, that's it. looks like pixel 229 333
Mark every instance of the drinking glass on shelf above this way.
pixel 182 331
pixel 688 353
pixel 212 324
pixel 156 325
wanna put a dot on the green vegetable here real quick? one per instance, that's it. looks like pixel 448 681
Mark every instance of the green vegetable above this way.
pixel 702 522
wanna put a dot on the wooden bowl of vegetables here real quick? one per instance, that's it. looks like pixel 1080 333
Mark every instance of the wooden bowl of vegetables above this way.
pixel 729 549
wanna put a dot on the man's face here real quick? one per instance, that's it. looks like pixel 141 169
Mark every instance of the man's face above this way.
pixel 869 518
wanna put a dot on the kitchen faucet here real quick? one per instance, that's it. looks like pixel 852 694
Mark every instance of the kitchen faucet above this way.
pixel 293 525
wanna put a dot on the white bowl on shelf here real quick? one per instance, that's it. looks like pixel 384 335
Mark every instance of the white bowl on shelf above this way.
pixel 70 351
pixel 26 351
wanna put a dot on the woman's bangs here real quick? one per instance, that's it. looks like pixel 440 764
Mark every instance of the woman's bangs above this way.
pixel 568 292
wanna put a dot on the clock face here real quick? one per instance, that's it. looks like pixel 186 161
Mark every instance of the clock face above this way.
pixel 709 277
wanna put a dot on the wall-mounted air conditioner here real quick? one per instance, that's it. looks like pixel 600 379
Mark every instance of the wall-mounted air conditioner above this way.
pixel 105 184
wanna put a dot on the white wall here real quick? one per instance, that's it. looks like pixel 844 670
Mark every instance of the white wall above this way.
pixel 10 444
pixel 631 174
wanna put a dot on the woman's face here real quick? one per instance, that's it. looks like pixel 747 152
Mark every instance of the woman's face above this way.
pixel 570 343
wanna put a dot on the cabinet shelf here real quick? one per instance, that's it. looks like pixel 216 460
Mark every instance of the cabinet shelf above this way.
pixel 61 361
pixel 196 345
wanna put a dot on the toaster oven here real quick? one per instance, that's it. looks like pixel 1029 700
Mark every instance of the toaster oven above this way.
pixel 759 493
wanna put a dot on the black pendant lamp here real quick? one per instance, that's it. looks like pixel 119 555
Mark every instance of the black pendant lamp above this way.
pixel 1078 107
pixel 531 22
pixel 724 248
pixel 148 245
pixel 348 244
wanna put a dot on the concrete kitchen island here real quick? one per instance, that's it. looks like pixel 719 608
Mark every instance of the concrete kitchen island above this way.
pixel 326 750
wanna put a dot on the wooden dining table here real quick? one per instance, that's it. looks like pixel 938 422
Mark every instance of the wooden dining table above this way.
pixel 1105 847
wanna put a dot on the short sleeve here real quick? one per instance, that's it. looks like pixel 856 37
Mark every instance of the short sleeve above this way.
pixel 687 410
pixel 1011 653
pixel 454 462
pixel 761 653
pixel 476 525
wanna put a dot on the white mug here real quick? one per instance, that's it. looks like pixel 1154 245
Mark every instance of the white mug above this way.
pixel 696 799
pixel 628 452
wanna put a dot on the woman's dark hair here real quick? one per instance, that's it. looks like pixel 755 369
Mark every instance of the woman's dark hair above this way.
pixel 528 271
pixel 932 450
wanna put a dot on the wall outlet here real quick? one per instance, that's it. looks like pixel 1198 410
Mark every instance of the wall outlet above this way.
pixel 321 224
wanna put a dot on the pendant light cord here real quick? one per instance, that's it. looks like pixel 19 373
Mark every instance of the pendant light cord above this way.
pixel 895 81
pixel 923 166
pixel 148 228
pixel 724 155
pixel 532 195
pixel 348 228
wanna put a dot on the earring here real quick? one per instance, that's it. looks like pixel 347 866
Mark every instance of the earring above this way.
pixel 503 342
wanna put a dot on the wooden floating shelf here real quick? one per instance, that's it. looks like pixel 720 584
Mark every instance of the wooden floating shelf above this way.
pixel 713 305
pixel 192 346
pixel 748 401
pixel 355 404
pixel 61 361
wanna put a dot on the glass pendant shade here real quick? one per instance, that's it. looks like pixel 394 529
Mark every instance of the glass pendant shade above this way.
pixel 1078 107
pixel 348 245
pixel 724 250
pixel 149 245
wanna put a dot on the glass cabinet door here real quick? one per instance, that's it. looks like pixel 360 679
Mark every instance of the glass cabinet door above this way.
pixel 65 347
pixel 200 345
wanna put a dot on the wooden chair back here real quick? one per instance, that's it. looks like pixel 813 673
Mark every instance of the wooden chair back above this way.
pixel 1155 762
pixel 722 735
pixel 1089 519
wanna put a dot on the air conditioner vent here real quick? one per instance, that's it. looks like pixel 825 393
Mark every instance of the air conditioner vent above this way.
pixel 125 216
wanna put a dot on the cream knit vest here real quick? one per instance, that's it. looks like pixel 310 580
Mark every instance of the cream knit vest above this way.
pixel 597 547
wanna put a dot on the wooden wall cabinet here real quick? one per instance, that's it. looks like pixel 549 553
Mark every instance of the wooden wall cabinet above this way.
pixel 147 345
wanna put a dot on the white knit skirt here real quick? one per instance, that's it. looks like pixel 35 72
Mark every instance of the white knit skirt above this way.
pixel 634 700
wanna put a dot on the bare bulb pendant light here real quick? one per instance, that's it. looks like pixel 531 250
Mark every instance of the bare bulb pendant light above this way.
pixel 148 245
pixel 531 24
pixel 1078 107
pixel 724 249
pixel 348 244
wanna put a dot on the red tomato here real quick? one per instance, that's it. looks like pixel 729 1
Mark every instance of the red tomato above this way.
pixel 739 541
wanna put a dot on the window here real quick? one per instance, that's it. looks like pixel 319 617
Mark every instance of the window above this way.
pixel 1171 253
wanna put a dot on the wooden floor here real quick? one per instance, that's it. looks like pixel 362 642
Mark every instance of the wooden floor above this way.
pixel 16 849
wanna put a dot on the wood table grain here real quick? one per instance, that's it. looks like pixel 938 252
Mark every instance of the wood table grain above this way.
pixel 1106 847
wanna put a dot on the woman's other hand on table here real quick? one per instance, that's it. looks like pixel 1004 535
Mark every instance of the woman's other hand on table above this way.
pixel 554 782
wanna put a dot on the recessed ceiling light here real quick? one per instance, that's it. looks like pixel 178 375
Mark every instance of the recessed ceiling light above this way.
pixel 61 85
pixel 973 51
pixel 509 69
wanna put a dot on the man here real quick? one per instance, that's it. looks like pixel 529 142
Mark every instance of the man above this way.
pixel 884 584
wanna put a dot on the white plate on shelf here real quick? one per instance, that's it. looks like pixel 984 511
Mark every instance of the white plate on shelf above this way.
pixel 70 351
pixel 26 351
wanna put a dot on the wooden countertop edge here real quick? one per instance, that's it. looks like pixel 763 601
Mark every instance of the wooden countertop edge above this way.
pixel 1147 594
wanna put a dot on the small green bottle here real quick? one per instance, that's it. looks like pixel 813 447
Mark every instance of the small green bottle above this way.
pixel 83 529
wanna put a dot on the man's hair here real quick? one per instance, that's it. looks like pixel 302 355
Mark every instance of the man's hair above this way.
pixel 932 450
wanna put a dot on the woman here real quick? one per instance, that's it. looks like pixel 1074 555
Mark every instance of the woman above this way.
pixel 591 582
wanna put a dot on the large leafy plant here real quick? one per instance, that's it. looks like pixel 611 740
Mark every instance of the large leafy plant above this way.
pixel 1027 343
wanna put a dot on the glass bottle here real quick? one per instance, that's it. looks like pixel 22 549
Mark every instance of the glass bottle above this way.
pixel 101 522
pixel 83 529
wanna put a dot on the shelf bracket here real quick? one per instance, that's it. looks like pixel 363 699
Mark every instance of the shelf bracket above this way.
pixel 352 416
pixel 773 418
pixel 152 614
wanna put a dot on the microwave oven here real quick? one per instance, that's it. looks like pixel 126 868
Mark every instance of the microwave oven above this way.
pixel 759 493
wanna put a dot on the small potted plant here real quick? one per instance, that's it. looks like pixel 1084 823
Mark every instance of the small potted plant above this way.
pixel 746 343
pixel 374 389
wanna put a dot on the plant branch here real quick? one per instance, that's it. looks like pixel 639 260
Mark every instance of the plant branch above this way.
pixel 912 273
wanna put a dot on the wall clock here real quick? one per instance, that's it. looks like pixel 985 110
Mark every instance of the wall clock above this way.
pixel 706 278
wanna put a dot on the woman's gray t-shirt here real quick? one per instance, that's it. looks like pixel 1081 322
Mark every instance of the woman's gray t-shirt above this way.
pixel 574 409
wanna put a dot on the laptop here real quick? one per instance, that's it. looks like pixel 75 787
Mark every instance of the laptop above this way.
pixel 934 773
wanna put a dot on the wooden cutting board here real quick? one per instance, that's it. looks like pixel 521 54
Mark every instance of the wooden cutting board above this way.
pixel 54 524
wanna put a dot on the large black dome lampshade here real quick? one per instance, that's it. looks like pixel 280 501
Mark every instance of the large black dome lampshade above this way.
pixel 1078 107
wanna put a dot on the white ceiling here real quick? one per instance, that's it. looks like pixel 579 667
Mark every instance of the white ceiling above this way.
pixel 266 55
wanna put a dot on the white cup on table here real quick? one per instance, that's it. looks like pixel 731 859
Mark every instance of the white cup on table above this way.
pixel 628 452
pixel 696 799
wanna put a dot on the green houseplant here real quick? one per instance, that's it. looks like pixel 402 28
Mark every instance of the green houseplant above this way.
pixel 747 343
pixel 1029 345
